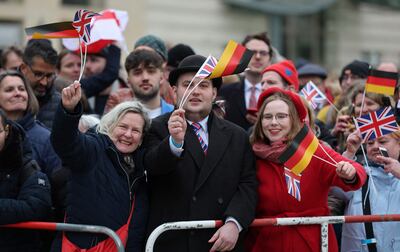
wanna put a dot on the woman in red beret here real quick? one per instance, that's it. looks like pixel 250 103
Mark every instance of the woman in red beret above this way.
pixel 281 117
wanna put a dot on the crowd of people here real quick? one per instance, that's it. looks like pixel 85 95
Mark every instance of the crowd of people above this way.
pixel 116 149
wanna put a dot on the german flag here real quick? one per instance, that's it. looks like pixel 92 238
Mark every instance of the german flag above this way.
pixel 381 82
pixel 300 151
pixel 234 60
pixel 53 30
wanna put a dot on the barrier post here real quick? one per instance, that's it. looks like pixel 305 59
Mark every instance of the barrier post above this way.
pixel 70 228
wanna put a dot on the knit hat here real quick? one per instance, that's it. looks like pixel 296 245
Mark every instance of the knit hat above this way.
pixel 312 69
pixel 177 53
pixel 356 67
pixel 189 64
pixel 287 71
pixel 153 42
pixel 295 98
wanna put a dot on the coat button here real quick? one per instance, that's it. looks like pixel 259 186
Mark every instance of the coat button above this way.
pixel 8 176
pixel 220 200
pixel 194 198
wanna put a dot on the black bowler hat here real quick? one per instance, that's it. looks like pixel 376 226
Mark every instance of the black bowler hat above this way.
pixel 189 64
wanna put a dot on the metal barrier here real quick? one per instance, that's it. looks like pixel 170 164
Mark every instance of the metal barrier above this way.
pixel 70 228
pixel 321 220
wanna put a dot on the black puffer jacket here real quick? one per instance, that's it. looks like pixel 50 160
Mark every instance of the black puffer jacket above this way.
pixel 24 193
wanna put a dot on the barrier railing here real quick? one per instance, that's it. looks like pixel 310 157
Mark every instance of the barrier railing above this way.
pixel 70 228
pixel 321 220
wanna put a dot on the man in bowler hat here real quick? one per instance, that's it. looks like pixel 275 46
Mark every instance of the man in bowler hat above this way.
pixel 200 167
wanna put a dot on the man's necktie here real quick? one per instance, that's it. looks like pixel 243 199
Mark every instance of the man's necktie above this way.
pixel 197 127
pixel 253 99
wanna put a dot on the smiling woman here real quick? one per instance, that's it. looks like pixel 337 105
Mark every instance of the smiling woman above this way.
pixel 107 175
pixel 20 105
pixel 289 192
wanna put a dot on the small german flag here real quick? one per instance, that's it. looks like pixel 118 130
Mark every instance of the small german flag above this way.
pixel 234 60
pixel 300 151
pixel 381 82
pixel 53 30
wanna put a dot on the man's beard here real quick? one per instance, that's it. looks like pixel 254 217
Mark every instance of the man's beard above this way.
pixel 145 97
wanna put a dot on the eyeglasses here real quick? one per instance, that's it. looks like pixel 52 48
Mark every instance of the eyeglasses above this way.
pixel 279 117
pixel 262 53
pixel 41 75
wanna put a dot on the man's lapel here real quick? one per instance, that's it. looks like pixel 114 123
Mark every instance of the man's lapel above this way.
pixel 218 140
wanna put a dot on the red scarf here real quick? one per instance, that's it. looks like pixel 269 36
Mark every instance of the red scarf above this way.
pixel 269 152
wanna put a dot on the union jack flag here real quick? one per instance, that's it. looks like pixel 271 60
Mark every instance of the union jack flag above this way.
pixel 207 67
pixel 81 23
pixel 293 184
pixel 313 95
pixel 377 123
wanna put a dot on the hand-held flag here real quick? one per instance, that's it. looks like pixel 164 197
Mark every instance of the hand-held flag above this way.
pixel 233 60
pixel 81 23
pixel 377 123
pixel 313 95
pixel 51 31
pixel 381 82
pixel 299 152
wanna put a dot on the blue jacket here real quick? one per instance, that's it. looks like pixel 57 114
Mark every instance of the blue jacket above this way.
pixel 384 199
pixel 99 192
pixel 24 193
pixel 43 151
pixel 166 107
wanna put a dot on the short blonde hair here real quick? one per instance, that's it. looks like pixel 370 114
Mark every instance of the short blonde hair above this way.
pixel 109 121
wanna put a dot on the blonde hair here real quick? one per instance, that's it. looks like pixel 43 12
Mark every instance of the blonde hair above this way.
pixel 111 119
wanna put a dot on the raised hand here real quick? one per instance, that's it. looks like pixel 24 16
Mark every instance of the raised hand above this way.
pixel 177 125
pixel 390 165
pixel 71 96
pixel 353 143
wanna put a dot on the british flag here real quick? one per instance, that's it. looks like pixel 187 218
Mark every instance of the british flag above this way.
pixel 312 94
pixel 207 67
pixel 293 184
pixel 377 123
pixel 81 23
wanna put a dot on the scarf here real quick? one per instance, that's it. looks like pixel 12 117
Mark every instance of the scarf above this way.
pixel 269 152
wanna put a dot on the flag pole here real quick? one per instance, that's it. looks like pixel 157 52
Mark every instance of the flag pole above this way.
pixel 362 103
pixel 366 162
pixel 333 160
pixel 191 91
pixel 184 93
pixel 84 63
pixel 326 161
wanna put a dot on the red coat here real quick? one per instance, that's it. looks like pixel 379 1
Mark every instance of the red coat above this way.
pixel 274 201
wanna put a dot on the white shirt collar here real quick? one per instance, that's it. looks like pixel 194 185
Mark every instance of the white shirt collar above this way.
pixel 203 124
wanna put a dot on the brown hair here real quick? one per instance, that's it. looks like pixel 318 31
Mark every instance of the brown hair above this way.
pixel 381 99
pixel 33 105
pixel 258 134
pixel 263 36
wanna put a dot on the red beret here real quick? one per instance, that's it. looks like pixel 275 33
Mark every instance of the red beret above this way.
pixel 287 71
pixel 295 98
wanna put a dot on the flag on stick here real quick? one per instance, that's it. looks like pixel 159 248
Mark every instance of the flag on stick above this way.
pixel 51 31
pixel 233 60
pixel 81 23
pixel 298 154
pixel 313 95
pixel 377 123
pixel 381 82
pixel 207 67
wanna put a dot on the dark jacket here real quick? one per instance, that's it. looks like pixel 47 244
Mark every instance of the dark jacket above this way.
pixel 235 106
pixel 99 192
pixel 43 151
pixel 24 193
pixel 48 106
pixel 195 186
